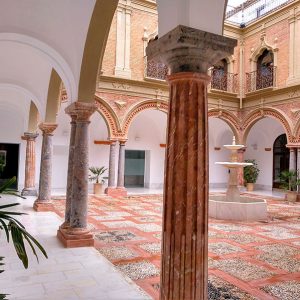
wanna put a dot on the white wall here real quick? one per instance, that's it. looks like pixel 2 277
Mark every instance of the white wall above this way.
pixel 262 135
pixel 219 134
pixel 147 132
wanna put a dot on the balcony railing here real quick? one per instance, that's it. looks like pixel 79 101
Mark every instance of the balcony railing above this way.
pixel 261 79
pixel 156 70
pixel 224 81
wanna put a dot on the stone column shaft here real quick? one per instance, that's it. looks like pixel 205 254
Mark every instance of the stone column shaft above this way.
pixel 44 196
pixel 293 164
pixel 112 165
pixel 121 165
pixel 29 185
pixel 188 53
pixel 66 224
pixel 75 233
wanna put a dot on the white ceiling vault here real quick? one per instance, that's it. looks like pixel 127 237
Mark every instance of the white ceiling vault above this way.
pixel 38 35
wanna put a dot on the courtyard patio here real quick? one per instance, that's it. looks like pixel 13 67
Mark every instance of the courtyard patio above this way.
pixel 257 260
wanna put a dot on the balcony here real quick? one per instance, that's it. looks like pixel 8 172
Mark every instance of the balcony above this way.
pixel 156 70
pixel 224 81
pixel 262 79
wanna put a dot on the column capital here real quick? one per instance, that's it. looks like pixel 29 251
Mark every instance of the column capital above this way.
pixel 82 111
pixel 186 49
pixel 29 136
pixel 47 128
pixel 293 146
pixel 122 142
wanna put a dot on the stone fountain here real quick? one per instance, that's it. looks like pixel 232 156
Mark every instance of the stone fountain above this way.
pixel 233 206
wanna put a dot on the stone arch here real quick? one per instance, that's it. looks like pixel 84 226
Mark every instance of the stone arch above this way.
pixel 259 114
pixel 50 54
pixel 159 105
pixel 110 118
pixel 230 119
pixel 94 48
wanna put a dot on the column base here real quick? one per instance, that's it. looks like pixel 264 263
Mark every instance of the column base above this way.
pixel 76 239
pixel 41 206
pixel 29 192
pixel 116 192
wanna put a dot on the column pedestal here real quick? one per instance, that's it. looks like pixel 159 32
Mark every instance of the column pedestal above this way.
pixel 188 52
pixel 43 203
pixel 29 185
pixel 77 234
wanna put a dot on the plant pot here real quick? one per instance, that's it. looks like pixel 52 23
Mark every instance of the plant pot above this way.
pixel 291 196
pixel 250 187
pixel 98 188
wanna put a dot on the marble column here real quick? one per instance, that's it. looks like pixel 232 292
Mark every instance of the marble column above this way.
pixel 69 191
pixel 121 165
pixel 78 234
pixel 293 163
pixel 29 185
pixel 189 53
pixel 112 167
pixel 43 203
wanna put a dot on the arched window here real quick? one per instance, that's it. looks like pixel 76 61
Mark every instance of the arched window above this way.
pixel 281 157
pixel 265 70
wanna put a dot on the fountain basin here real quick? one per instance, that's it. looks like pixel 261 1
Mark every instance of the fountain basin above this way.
pixel 247 209
pixel 228 164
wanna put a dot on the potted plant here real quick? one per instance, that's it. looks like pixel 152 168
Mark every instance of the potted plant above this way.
pixel 289 181
pixel 251 174
pixel 98 179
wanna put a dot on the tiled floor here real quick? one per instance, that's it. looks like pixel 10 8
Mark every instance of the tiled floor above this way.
pixel 68 274
pixel 259 260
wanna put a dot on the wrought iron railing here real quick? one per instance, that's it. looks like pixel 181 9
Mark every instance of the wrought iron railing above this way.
pixel 155 70
pixel 261 79
pixel 224 81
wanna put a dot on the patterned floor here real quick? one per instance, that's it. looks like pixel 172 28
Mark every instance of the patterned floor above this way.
pixel 258 260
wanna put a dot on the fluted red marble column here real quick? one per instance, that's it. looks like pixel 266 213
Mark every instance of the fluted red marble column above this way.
pixel 77 233
pixel 188 53
pixel 43 203
pixel 29 184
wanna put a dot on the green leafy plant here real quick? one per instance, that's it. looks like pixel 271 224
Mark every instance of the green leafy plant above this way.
pixel 15 230
pixel 289 180
pixel 97 174
pixel 251 172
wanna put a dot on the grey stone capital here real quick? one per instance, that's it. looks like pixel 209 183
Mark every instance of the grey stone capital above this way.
pixel 186 49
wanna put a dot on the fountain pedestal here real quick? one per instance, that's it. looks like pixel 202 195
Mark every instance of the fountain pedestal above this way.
pixel 233 206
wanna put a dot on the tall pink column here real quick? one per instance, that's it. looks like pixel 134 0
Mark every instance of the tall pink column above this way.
pixel 29 185
pixel 188 53
pixel 43 203
pixel 77 234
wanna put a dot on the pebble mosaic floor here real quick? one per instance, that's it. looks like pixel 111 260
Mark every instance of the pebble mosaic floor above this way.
pixel 258 260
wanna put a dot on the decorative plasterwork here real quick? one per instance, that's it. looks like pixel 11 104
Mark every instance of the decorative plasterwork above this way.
pixel 120 104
